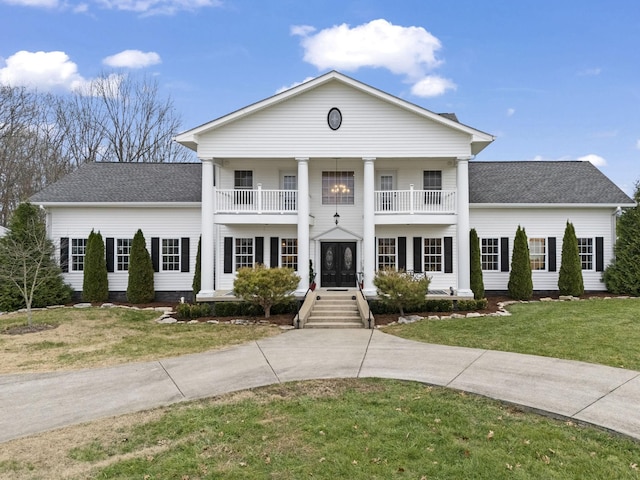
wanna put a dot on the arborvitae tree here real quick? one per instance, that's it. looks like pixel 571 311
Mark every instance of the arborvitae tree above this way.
pixel 95 285
pixel 197 275
pixel 570 278
pixel 477 283
pixel 29 274
pixel 520 281
pixel 140 288
pixel 622 276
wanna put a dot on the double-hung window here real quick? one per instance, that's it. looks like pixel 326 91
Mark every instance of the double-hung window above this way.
pixel 538 253
pixel 123 252
pixel 78 249
pixel 386 253
pixel 289 253
pixel 171 254
pixel 585 250
pixel 243 252
pixel 432 254
pixel 490 254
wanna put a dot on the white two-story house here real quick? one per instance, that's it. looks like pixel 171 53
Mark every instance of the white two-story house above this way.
pixel 342 175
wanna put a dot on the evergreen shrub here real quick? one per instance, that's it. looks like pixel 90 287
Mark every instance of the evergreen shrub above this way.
pixel 95 284
pixel 570 280
pixel 140 288
pixel 520 282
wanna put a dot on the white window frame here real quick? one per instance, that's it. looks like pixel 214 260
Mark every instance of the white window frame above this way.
pixel 387 253
pixel 537 255
pixel 289 253
pixel 123 254
pixel 490 254
pixel 432 254
pixel 587 253
pixel 77 251
pixel 243 252
pixel 338 188
pixel 170 254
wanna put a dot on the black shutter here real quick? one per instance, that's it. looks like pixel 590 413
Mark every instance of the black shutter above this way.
pixel 110 255
pixel 402 253
pixel 275 252
pixel 259 251
pixel 184 254
pixel 448 254
pixel 599 254
pixel 417 254
pixel 155 253
pixel 228 254
pixel 552 253
pixel 504 254
pixel 64 254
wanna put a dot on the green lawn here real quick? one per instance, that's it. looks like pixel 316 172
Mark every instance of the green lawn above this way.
pixel 596 330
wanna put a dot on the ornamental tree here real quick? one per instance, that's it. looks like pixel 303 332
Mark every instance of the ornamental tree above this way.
pixel 196 285
pixel 29 274
pixel 140 288
pixel 400 290
pixel 265 286
pixel 95 284
pixel 570 280
pixel 477 283
pixel 520 282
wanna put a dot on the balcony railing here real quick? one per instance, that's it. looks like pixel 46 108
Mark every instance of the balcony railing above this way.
pixel 257 201
pixel 410 202
pixel 401 202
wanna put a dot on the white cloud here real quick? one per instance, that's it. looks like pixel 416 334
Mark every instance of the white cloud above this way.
pixel 511 112
pixel 132 59
pixel 287 87
pixel 432 86
pixel 42 70
pixel 408 51
pixel 597 160
pixel 638 144
pixel 158 7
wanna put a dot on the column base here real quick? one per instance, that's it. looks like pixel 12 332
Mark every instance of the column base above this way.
pixel 205 295
pixel 464 293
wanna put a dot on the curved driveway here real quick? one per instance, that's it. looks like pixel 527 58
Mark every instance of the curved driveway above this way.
pixel 604 396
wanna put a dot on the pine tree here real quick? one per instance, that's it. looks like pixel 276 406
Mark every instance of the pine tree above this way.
pixel 140 288
pixel 520 281
pixel 570 280
pixel 197 275
pixel 95 284
pixel 622 276
pixel 477 283
pixel 29 274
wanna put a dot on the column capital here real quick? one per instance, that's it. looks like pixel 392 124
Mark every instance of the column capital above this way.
pixel 464 158
pixel 368 159
pixel 302 159
pixel 206 159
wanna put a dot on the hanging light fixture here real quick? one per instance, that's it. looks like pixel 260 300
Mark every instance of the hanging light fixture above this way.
pixel 335 190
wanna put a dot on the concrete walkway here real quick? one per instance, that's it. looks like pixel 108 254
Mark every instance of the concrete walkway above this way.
pixel 604 396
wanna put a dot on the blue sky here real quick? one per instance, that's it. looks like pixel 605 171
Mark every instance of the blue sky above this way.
pixel 551 79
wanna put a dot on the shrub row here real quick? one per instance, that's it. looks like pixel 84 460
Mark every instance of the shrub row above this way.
pixel 436 306
pixel 190 311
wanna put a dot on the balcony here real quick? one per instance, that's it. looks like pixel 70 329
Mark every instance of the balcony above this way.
pixel 396 207
pixel 257 206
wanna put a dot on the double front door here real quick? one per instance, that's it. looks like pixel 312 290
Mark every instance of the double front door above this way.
pixel 338 267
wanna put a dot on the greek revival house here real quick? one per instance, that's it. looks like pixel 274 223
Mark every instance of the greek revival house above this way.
pixel 341 177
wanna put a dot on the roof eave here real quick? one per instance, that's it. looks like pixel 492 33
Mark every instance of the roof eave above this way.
pixel 552 205
pixel 119 204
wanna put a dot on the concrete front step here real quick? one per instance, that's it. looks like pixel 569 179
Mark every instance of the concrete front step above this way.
pixel 335 324
pixel 335 310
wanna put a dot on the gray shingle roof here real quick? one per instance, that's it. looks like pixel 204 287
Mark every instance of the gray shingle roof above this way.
pixel 127 182
pixel 489 182
pixel 561 182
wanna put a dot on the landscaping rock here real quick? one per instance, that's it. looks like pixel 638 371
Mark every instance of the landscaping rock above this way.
pixel 410 319
pixel 82 305
pixel 107 305
pixel 166 320
pixel 474 315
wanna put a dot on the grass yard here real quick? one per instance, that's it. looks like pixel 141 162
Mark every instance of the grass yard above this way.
pixel 364 429
pixel 98 337
pixel 596 330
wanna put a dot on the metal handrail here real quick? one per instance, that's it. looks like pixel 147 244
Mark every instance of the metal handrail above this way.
pixel 368 304
pixel 300 303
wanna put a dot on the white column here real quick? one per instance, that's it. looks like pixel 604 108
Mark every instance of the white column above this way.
pixel 207 231
pixel 369 227
pixel 464 254
pixel 303 226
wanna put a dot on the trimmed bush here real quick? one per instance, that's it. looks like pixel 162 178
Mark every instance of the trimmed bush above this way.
pixel 477 283
pixel 95 284
pixel 140 288
pixel 570 280
pixel 190 311
pixel 520 282
pixel 265 287
pixel 400 290
pixel 196 286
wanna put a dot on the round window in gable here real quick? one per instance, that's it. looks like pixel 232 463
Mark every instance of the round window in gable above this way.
pixel 334 118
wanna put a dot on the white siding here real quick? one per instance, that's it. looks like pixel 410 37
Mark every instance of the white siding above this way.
pixel 544 223
pixel 123 222
pixel 298 127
